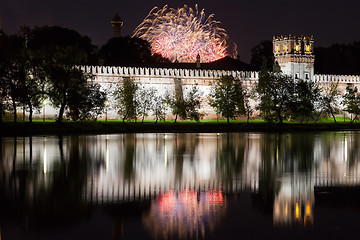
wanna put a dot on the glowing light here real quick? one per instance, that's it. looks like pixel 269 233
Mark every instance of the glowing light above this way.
pixel 308 209
pixel 308 49
pixel 185 213
pixel 297 211
pixel 215 198
pixel 169 200
pixel 181 34
pixel 345 150
pixel 45 158
pixel 107 157
pixel 286 210
pixel 297 47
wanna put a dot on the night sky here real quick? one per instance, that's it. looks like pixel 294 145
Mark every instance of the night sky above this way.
pixel 246 22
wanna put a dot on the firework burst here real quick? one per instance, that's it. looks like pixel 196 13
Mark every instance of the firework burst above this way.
pixel 181 34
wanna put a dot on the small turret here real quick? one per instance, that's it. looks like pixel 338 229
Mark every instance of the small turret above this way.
pixel 116 24
pixel 295 55
pixel 198 61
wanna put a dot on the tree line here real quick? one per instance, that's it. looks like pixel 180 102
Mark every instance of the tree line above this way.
pixel 276 97
pixel 133 101
pixel 40 64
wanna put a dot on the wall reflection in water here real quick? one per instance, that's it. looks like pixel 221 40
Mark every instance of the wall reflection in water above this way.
pixel 185 176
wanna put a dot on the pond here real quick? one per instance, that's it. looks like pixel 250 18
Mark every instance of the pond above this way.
pixel 180 186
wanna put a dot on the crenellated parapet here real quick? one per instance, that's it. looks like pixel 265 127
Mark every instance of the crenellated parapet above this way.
pixel 167 72
pixel 295 55
pixel 324 78
pixel 198 74
pixel 103 71
pixel 294 45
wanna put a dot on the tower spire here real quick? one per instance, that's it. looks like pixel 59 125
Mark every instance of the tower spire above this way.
pixel 116 24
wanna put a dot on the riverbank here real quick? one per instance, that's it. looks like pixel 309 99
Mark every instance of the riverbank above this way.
pixel 44 128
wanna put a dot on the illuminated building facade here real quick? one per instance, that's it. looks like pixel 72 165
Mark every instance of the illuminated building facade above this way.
pixel 295 56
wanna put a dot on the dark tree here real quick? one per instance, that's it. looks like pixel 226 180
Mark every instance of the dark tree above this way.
pixel 307 95
pixel 329 101
pixel 159 108
pixel 4 56
pixel 227 98
pixel 46 41
pixel 176 101
pixel 146 97
pixel 338 59
pixel 193 104
pixel 67 83
pixel 276 95
pixel 12 72
pixel 128 51
pixel 352 101
pixel 125 50
pixel 248 110
pixel 33 80
pixel 59 52
pixel 88 103
pixel 125 96
pixel 262 52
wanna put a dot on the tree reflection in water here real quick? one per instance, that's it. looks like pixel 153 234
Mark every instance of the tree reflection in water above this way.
pixel 178 183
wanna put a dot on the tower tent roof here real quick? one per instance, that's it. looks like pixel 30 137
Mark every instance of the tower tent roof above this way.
pixel 116 19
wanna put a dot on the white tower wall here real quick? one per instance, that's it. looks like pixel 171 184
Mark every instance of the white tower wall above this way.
pixel 295 56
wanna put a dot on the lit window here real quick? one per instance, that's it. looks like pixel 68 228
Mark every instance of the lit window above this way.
pixel 285 48
pixel 308 49
pixel 297 48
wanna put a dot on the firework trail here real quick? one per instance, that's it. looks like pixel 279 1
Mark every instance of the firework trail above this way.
pixel 181 34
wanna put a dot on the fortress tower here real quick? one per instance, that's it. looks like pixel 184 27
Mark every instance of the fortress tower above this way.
pixel 116 24
pixel 295 55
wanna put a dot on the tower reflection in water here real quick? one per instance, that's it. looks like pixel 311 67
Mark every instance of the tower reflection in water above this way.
pixel 185 178
pixel 294 203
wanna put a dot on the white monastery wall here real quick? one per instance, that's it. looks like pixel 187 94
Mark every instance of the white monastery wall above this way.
pixel 294 54
pixel 162 79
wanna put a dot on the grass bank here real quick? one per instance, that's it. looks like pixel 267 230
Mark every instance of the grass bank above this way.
pixel 107 127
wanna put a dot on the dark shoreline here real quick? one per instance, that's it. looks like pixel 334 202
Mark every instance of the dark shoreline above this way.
pixel 68 128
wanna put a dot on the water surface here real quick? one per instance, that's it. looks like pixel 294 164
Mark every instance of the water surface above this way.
pixel 180 186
